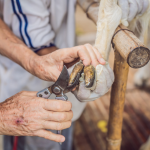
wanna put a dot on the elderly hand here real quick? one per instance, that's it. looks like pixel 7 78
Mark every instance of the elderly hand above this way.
pixel 24 114
pixel 132 8
pixel 49 67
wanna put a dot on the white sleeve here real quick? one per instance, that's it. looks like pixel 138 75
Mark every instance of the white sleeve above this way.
pixel 30 21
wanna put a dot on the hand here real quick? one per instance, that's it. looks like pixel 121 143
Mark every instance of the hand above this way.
pixel 132 8
pixel 24 114
pixel 49 67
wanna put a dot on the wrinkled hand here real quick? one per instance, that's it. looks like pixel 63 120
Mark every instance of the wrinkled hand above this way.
pixel 132 8
pixel 49 67
pixel 24 114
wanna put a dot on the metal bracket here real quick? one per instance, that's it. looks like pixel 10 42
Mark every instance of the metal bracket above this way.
pixel 44 93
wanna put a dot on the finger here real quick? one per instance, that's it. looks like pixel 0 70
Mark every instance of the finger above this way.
pixel 50 136
pixel 70 54
pixel 84 55
pixel 56 125
pixel 99 57
pixel 58 116
pixel 57 105
pixel 72 63
pixel 145 6
pixel 94 60
pixel 133 10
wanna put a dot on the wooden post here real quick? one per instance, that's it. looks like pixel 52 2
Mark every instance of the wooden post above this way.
pixel 121 69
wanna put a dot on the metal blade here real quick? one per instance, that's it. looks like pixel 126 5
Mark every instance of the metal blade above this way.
pixel 63 79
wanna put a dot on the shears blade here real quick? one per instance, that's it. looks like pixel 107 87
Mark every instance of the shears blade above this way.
pixel 63 79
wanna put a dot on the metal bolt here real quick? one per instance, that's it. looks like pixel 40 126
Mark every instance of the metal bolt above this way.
pixel 56 90
pixel 45 92
pixel 40 95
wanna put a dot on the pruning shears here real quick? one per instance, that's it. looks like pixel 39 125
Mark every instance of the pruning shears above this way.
pixel 60 87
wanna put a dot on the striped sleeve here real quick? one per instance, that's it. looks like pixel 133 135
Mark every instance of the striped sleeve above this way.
pixel 30 22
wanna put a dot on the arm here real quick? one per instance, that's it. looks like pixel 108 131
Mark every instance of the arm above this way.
pixel 14 48
pixel 42 66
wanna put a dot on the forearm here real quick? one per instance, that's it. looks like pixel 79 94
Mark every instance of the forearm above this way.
pixel 13 48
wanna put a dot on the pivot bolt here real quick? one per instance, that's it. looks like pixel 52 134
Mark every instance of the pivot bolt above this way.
pixel 57 90
pixel 45 92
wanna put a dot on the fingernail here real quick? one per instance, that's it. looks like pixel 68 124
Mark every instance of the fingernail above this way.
pixel 62 139
pixel 102 61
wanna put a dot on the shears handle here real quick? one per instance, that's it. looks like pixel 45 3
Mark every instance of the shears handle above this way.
pixel 64 98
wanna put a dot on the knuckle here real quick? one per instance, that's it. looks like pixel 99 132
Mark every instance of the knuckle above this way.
pixel 22 92
pixel 87 44
pixel 82 47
